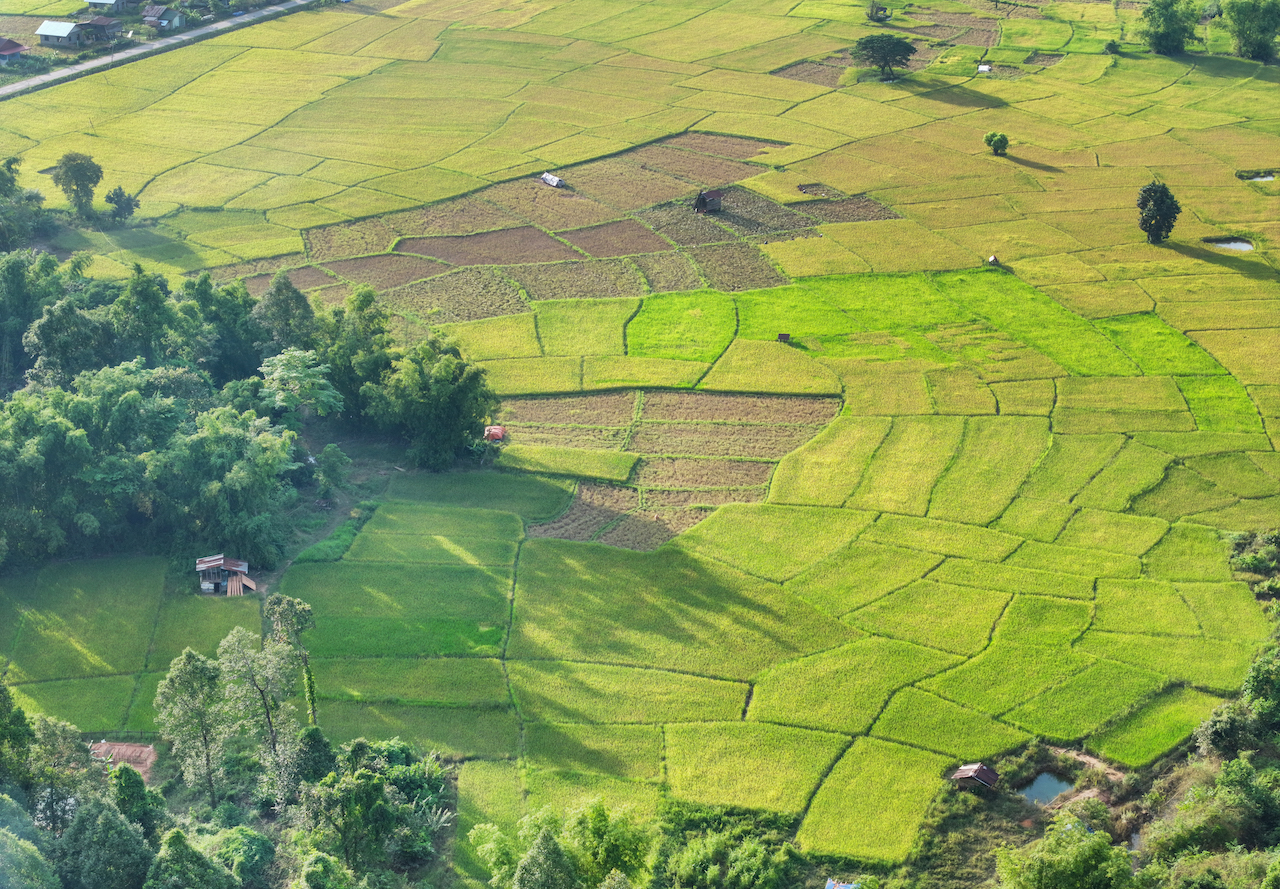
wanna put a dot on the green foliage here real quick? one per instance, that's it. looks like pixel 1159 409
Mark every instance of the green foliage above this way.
pixel 181 866
pixel 122 203
pixel 997 142
pixel 102 850
pixel 335 546
pixel 727 861
pixel 77 175
pixel 1253 25
pixel 247 854
pixel 22 866
pixel 1167 25
pixel 883 51
pixel 20 211
pixel 1158 208
pixel 1069 857
pixel 354 814
pixel 15 736
pixel 285 317
pixel 293 380
pixel 143 807
pixel 545 866
pixel 187 715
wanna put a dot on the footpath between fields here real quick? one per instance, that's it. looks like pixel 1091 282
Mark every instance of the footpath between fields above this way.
pixel 164 44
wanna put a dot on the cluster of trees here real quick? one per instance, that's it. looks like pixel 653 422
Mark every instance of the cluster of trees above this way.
pixel 1168 25
pixel 21 209
pixel 170 418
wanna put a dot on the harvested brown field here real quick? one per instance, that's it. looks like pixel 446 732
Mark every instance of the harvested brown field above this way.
pixel 141 756
pixel 649 529
pixel 820 190
pixel 722 146
pixel 624 185
pixel 925 53
pixel 1047 59
pixel 579 279
pixel 668 272
pixel 590 438
pixel 855 209
pixel 626 237
pixel 305 278
pixel 719 440
pixel 733 267
pixel 508 245
pixel 593 507
pixel 1008 72
pixel 255 267
pixel 709 407
pixel 961 20
pixel 812 72
pixel 348 239
pixel 937 32
pixel 685 472
pixel 460 216
pixel 462 295
pixel 659 499
pixel 386 271
pixel 679 224
pixel 333 295
pixel 613 409
pixel 551 208
pixel 977 37
pixel 701 169
pixel 753 215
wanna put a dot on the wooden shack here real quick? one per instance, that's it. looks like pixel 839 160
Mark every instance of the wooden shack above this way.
pixel 11 50
pixel 975 774
pixel 708 202
pixel 218 574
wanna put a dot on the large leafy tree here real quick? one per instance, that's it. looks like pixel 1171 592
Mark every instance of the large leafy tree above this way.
pixel 545 866
pixel 294 380
pixel 601 843
pixel 20 208
pixel 289 619
pixel 1167 25
pixel 883 51
pixel 102 850
pixel 286 318
pixel 28 283
pixel 143 807
pixel 78 175
pixel 1158 211
pixel 187 715
pixel 62 773
pixel 353 812
pixel 22 866
pixel 1070 856
pixel 1253 26
pixel 355 344
pixel 16 737
pixel 181 866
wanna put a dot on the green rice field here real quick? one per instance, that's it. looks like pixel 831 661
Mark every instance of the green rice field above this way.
pixel 953 509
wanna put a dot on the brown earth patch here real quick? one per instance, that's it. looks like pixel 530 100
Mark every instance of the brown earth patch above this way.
pixel 658 499
pixel 937 32
pixel 1007 72
pixel 854 209
pixel 523 244
pixel 977 37
pixel 333 295
pixel 647 530
pixel 723 146
pixel 625 185
pixel 582 279
pixel 348 239
pixel 668 272
pixel 685 472
pixel 387 271
pixel 141 756
pixel 305 278
pixel 463 295
pixel 1047 59
pixel 590 438
pixel 593 507
pixel 731 267
pixel 925 54
pixel 625 237
pixel 719 440
pixel 961 20
pixel 551 208
pixel 709 407
pixel 700 169
pixel 461 216
pixel 820 190
pixel 255 267
pixel 753 215
pixel 613 409
pixel 812 72
pixel 678 223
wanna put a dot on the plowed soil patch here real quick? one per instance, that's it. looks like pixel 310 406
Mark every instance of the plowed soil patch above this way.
pixel 719 439
pixel 937 32
pixel 463 216
pixel 624 185
pixel 615 409
pixel 668 272
pixel 348 239
pixel 977 37
pixel 856 209
pixel 812 72
pixel 305 278
pixel 589 279
pixel 736 267
pixel 591 438
pixel 141 756
pixel 523 244
pixel 737 408
pixel 679 224
pixel 724 146
pixel 256 267
pixel 464 295
pixel 753 215
pixel 386 271
pixel 625 237
pixel 700 169
pixel 649 529
pixel 1044 58
pixel 682 499
pixel 551 208
pixel 682 472
pixel 593 507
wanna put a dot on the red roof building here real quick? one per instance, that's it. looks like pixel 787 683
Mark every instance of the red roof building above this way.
pixel 219 574
pixel 10 50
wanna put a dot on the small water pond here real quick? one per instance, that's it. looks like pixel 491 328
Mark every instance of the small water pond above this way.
pixel 1045 788
pixel 1230 243
pixel 1262 177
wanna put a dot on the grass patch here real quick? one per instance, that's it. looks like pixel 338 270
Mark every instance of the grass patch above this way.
pixel 534 376
pixel 858 574
pixel 1007 674
pixel 559 691
pixel 748 366
pixel 1080 562
pixel 432 550
pixel 408 517
pixel 1220 404
pixel 534 498
pixel 630 372
pixel 1086 701
pixel 687 326
pixel 453 731
pixel 951 618
pixel 1237 473
pixel 1143 606
pixel 633 752
pixel 1011 579
pixel 448 681
pixel 335 546
pixel 1214 665
pixel 1226 610
pixel 1070 463
pixel 725 764
pixel 918 718
pixel 199 622
pixel 507 336
pixel 1041 520
pixel 583 327
pixel 1156 347
pixel 1140 738
pixel 1135 469
pixel 1189 552
pixel 903 471
pixel 996 455
pixel 89 704
pixel 945 538
pixel 1113 532
pixel 572 462
pixel 1041 620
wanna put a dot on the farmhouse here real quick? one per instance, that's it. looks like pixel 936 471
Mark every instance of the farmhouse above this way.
pixel 220 574
pixel 162 18
pixel 60 34
pixel 113 6
pixel 975 774
pixel 101 28
pixel 11 50
pixel 708 202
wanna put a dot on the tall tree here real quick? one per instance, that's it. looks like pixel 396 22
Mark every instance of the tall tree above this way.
pixel 352 810
pixel 1167 25
pixel 63 773
pixel 601 843
pixel 883 51
pixel 144 317
pixel 20 208
pixel 187 714
pixel 355 343
pixel 77 175
pixel 22 866
pixel 286 318
pixel 143 807
pixel 296 381
pixel 16 737
pixel 1253 26
pixel 545 866
pixel 102 850
pixel 289 619
pixel 1158 211
pixel 181 866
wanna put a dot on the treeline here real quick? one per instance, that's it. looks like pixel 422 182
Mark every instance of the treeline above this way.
pixel 143 416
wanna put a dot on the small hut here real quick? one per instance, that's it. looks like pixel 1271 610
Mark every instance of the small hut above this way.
pixel 975 774
pixel 11 50
pixel 708 202
pixel 495 433
pixel 219 574
pixel 553 180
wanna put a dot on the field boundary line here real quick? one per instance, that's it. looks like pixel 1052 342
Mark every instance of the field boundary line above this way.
pixel 822 779
pixel 558 660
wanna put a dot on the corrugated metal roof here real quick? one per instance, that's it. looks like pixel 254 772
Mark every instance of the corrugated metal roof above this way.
pixel 57 29
pixel 9 47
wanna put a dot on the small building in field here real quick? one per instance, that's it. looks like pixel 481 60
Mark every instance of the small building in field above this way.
pixel 552 179
pixel 102 28
pixel 708 201
pixel 11 50
pixel 162 18
pixel 218 574
pixel 975 774
pixel 61 34
pixel 495 433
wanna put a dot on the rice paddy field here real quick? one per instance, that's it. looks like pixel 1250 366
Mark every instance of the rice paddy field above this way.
pixel 958 508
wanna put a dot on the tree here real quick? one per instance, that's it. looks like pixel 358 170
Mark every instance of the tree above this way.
pixel 435 399
pixel 545 866
pixel 1253 26
pixel 1158 211
pixel 286 318
pixel 354 342
pixel 22 866
pixel 122 203
pixel 332 468
pixel 315 755
pixel 997 142
pixel 884 51
pixel 20 208
pixel 77 175
pixel 188 718
pixel 62 773
pixel 323 871
pixel 15 737
pixel 877 13
pixel 353 811
pixel 143 807
pixel 102 850
pixel 295 380
pixel 181 866
pixel 601 844
pixel 1068 857
pixel 246 853
pixel 1167 25
pixel 144 317
pixel 724 860
pixel 289 619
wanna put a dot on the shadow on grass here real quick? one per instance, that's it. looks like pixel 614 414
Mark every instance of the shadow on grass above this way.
pixel 1249 266
pixel 1035 165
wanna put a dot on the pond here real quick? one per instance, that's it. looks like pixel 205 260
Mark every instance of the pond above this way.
pixel 1045 788
pixel 1230 243
pixel 1262 177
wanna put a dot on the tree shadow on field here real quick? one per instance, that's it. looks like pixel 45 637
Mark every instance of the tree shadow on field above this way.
pixel 1249 266
pixel 1035 165
pixel 965 97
